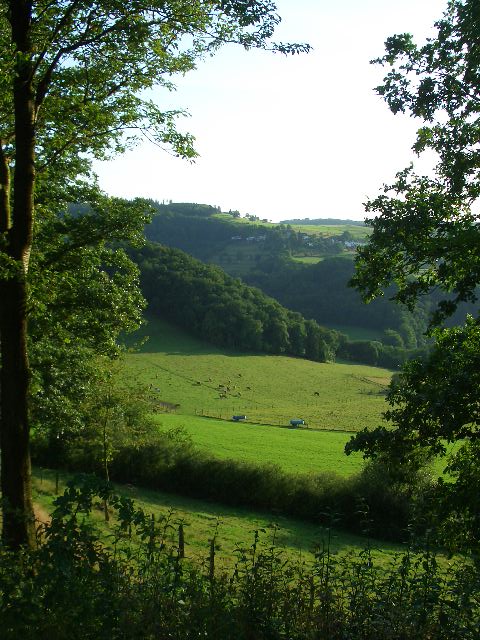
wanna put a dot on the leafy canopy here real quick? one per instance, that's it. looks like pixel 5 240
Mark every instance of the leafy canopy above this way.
pixel 75 84
pixel 91 65
pixel 426 237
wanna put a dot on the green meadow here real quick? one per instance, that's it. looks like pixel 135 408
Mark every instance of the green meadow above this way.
pixel 357 232
pixel 243 221
pixel 320 258
pixel 198 388
pixel 307 259
pixel 183 374
pixel 195 379
pixel 293 450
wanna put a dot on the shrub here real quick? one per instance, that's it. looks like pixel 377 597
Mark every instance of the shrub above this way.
pixel 170 462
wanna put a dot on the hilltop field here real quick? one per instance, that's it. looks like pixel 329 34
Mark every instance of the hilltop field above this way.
pixel 241 258
pixel 357 231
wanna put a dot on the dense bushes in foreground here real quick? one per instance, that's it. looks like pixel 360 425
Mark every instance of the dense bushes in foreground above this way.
pixel 170 462
pixel 138 586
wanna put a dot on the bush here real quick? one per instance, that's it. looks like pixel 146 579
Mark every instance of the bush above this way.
pixel 170 462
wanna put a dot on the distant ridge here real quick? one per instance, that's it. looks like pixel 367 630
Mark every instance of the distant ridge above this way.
pixel 323 221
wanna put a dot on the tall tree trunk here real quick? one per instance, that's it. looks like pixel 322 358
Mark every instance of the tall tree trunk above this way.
pixel 18 519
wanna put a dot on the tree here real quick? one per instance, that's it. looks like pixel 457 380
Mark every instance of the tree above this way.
pixel 393 338
pixel 71 74
pixel 116 415
pixel 426 236
pixel 84 292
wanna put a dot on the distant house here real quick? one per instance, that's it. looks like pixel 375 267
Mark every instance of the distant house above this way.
pixel 353 244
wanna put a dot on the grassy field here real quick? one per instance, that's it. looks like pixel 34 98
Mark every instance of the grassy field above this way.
pixel 243 221
pixel 199 388
pixel 294 450
pixel 184 374
pixel 233 527
pixel 327 231
pixel 350 255
pixel 198 379
pixel 308 259
pixel 358 232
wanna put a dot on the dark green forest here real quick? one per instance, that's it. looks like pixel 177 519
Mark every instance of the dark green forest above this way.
pixel 319 292
pixel 212 305
pixel 222 310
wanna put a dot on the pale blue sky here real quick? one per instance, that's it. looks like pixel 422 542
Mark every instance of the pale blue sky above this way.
pixel 303 136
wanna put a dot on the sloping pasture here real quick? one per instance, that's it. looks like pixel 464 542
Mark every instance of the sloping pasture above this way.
pixel 357 232
pixel 232 527
pixel 197 379
pixel 293 450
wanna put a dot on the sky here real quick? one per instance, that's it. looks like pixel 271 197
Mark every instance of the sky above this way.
pixel 280 137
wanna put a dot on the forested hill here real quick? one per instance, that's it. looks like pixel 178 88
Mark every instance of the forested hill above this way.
pixel 223 310
pixel 214 236
pixel 272 258
pixel 306 268
pixel 321 291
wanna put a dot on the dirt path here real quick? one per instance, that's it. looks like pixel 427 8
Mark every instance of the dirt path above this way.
pixel 41 516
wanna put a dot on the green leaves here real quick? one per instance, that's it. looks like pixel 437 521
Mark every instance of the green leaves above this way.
pixel 426 237
pixel 423 239
pixel 440 83
pixel 83 292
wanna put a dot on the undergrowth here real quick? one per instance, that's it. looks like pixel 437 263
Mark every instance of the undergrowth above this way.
pixel 137 585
